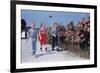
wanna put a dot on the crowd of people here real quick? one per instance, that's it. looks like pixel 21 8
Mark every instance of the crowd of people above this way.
pixel 77 35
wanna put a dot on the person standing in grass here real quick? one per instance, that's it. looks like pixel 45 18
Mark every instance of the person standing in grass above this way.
pixel 33 36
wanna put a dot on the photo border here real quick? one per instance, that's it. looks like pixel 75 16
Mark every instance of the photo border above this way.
pixel 13 36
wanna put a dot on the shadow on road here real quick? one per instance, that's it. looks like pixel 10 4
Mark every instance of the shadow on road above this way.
pixel 39 55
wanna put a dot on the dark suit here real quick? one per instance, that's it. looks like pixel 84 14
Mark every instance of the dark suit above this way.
pixel 54 33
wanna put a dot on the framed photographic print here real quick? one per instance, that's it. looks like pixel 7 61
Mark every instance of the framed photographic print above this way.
pixel 52 36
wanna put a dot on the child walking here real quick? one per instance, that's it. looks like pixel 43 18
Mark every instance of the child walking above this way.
pixel 33 36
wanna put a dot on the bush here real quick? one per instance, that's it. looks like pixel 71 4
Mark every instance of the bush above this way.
pixel 49 38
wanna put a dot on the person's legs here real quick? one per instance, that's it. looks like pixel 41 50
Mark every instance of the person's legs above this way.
pixel 53 43
pixel 45 44
pixel 41 43
pixel 41 46
pixel 57 44
pixel 33 47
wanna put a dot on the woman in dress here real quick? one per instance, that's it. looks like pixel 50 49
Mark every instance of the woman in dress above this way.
pixel 43 36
